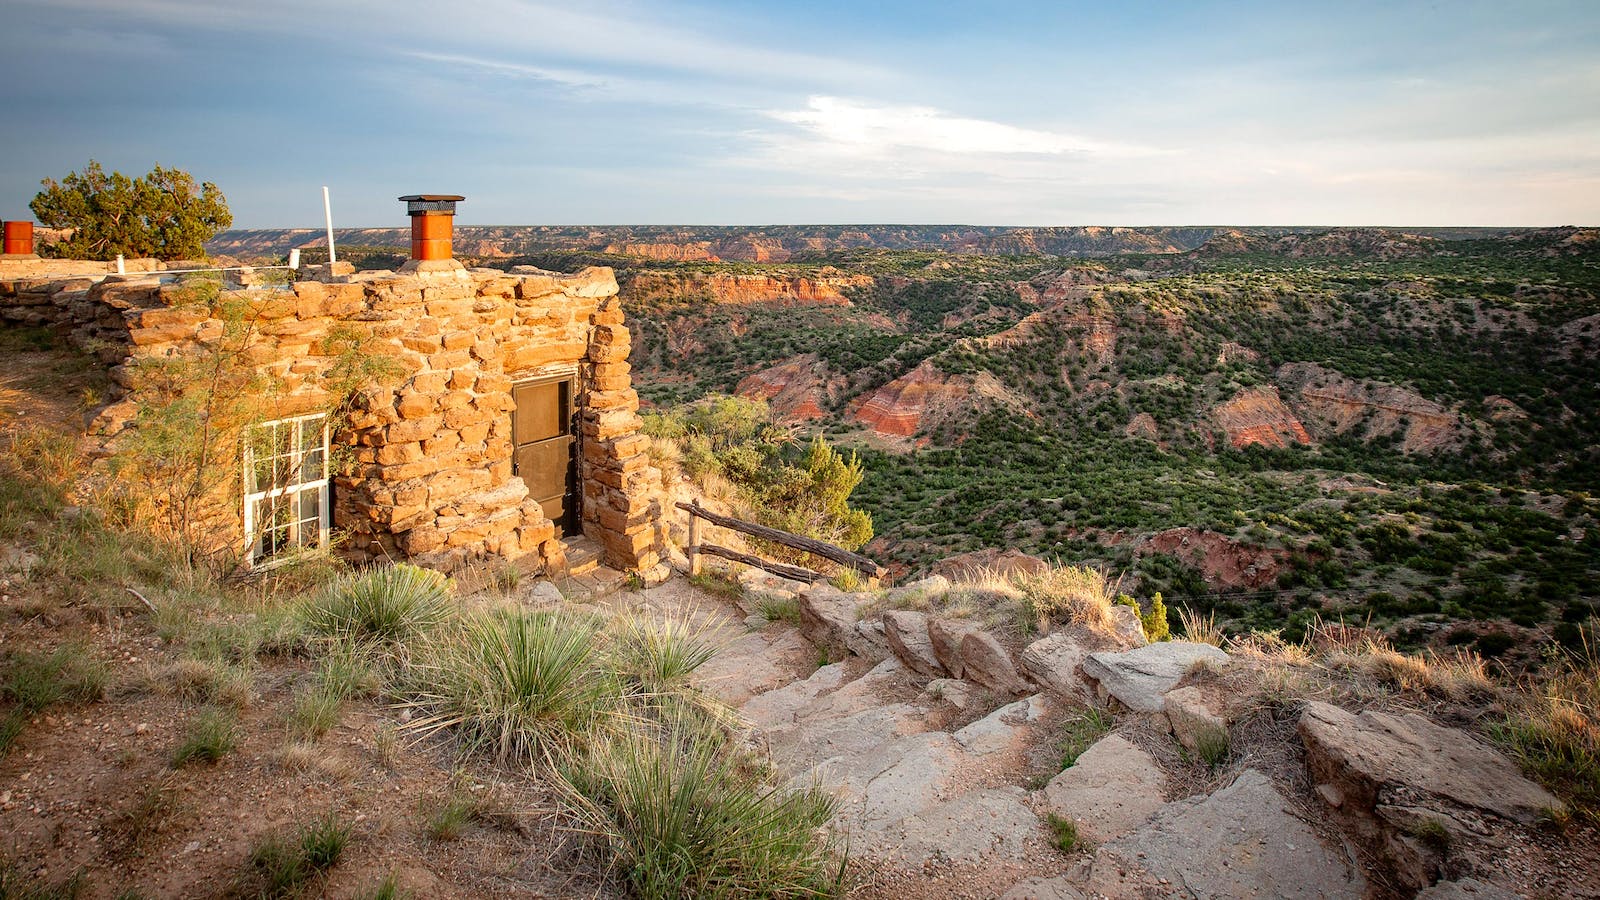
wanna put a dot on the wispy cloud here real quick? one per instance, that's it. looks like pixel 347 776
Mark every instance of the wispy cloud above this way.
pixel 567 77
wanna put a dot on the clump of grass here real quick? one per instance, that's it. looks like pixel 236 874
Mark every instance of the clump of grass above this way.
pixel 779 609
pixel 1553 728
pixel 517 686
pixel 1201 629
pixel 683 816
pixel 34 682
pixel 211 681
pixel 450 819
pixel 387 889
pixel 387 604
pixel 1213 746
pixel 848 580
pixel 1458 675
pixel 314 713
pixel 1063 832
pixel 280 866
pixel 719 583
pixel 1082 733
pixel 69 674
pixel 17 885
pixel 633 582
pixel 1433 834
pixel 1070 594
pixel 212 735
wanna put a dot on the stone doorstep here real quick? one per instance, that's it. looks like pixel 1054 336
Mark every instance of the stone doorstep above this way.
pixel 596 584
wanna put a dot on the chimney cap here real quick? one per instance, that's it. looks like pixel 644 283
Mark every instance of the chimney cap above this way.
pixel 431 204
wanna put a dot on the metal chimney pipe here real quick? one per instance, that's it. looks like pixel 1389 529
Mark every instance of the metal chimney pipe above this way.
pixel 432 224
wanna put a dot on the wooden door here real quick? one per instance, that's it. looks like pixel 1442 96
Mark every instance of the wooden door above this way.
pixel 544 455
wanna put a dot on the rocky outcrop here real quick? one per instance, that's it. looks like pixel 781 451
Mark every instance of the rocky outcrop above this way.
pixel 926 396
pixel 907 633
pixel 1335 405
pixel 1143 426
pixel 1259 416
pixel 793 389
pixel 1222 561
pixel 1387 774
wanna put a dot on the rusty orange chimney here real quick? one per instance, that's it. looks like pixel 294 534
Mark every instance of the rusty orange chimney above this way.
pixel 18 239
pixel 432 216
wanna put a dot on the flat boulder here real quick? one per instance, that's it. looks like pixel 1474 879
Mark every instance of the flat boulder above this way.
pixel 1141 677
pixel 1113 788
pixel 1193 718
pixel 1006 729
pixel 1357 760
pixel 907 634
pixel 1241 842
pixel 988 825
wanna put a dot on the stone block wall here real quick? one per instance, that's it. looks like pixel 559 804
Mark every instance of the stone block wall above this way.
pixel 429 472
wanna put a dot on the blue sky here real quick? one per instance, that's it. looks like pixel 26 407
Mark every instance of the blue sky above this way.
pixel 1064 113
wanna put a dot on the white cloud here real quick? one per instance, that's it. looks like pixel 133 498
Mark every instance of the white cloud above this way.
pixel 859 129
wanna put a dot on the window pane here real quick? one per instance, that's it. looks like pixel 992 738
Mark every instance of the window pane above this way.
pixel 310 505
pixel 311 467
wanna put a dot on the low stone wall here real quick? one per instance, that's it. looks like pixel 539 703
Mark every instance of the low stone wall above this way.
pixel 430 477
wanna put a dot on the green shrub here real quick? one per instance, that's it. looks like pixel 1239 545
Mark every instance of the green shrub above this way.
pixel 388 604
pixel 452 817
pixel 779 609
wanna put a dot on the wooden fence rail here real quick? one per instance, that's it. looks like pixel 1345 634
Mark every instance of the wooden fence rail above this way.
pixel 843 557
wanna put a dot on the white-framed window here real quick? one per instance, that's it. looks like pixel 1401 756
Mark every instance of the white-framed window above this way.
pixel 286 488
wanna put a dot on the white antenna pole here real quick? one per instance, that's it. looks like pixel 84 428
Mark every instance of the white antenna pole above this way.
pixel 327 212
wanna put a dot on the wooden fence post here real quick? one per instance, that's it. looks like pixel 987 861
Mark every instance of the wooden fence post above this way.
pixel 694 540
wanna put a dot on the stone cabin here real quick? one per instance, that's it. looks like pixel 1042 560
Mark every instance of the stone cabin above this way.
pixel 507 430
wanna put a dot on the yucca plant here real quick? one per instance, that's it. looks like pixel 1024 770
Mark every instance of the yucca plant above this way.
pixel 519 686
pixel 388 604
pixel 684 815
pixel 659 655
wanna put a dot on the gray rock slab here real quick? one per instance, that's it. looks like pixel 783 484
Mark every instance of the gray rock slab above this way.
pixel 813 740
pixel 1360 755
pixel 1241 842
pixel 1140 677
pixel 989 825
pixel 1052 663
pixel 881 785
pixel 907 633
pixel 946 635
pixel 1113 788
pixel 779 707
pixel 751 664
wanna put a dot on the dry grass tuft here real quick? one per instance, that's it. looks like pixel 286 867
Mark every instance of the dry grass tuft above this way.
pixel 1202 629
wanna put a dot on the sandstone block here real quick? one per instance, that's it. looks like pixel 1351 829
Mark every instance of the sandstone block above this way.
pixel 1111 789
pixel 985 660
pixel 1140 677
